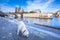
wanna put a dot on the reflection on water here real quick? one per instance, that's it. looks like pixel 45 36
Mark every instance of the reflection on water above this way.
pixel 52 22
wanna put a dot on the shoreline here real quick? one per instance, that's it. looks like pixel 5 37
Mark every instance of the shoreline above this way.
pixel 47 26
pixel 38 17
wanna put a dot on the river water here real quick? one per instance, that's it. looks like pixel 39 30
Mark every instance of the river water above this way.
pixel 42 31
pixel 55 22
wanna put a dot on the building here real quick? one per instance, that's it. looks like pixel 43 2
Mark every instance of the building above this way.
pixel 58 12
pixel 34 14
pixel 36 11
pixel 19 11
pixel 38 15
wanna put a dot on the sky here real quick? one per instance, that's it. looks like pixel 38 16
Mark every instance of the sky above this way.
pixel 29 5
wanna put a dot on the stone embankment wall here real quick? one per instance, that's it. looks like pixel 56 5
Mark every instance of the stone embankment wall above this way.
pixel 38 15
pixel 34 15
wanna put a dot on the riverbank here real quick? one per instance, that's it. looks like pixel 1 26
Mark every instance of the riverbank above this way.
pixel 9 32
pixel 38 15
pixel 47 26
pixel 33 15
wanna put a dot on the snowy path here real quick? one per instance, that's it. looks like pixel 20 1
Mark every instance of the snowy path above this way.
pixel 8 31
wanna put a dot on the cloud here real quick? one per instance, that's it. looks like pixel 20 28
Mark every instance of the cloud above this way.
pixel 6 8
pixel 38 4
pixel 31 5
pixel 47 4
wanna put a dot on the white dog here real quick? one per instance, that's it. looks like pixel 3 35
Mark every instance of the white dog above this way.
pixel 22 28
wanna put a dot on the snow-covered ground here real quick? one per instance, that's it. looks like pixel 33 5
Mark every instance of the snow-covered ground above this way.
pixel 8 31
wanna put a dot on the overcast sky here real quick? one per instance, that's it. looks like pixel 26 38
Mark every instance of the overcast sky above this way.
pixel 29 5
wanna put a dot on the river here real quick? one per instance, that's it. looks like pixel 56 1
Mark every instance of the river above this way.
pixel 55 22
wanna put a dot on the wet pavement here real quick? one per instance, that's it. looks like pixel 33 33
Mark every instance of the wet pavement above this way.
pixel 8 31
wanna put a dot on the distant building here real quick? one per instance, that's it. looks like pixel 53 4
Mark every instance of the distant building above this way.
pixel 16 10
pixel 36 11
pixel 38 15
pixel 58 13
pixel 19 11
pixel 33 14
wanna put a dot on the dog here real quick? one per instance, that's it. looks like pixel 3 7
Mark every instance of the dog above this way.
pixel 22 28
